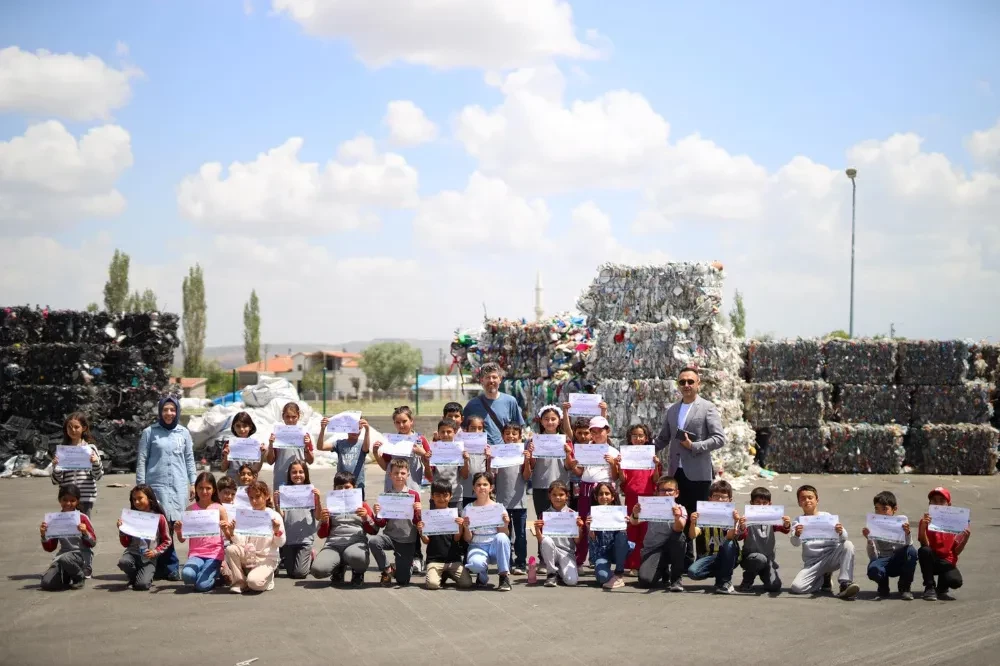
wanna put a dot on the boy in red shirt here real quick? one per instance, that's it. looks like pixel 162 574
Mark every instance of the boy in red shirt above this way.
pixel 939 552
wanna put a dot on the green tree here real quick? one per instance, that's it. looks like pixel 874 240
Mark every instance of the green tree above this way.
pixel 194 321
pixel 251 329
pixel 356 385
pixel 738 316
pixel 145 302
pixel 93 307
pixel 312 380
pixel 116 288
pixel 839 333
pixel 388 365
pixel 220 382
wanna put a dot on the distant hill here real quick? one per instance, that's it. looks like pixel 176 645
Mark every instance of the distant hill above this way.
pixel 231 356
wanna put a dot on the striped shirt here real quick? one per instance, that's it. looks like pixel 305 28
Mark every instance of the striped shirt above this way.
pixel 84 479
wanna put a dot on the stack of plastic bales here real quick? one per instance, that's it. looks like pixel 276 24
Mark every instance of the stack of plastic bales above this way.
pixel 653 321
pixel 112 367
pixel 555 349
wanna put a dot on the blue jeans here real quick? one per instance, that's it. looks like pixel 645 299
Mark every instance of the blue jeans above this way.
pixel 902 563
pixel 201 573
pixel 167 562
pixel 481 554
pixel 721 564
pixel 519 542
pixel 615 555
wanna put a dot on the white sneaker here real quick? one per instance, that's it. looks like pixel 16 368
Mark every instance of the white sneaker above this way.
pixel 236 589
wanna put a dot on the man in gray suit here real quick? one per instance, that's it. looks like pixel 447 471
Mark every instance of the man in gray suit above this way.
pixel 692 430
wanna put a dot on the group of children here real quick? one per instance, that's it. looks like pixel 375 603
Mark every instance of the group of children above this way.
pixel 653 552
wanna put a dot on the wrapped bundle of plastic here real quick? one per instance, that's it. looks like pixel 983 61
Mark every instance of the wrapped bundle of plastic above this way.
pixel 155 334
pixel 69 326
pixel 654 293
pixel 122 365
pixel 736 456
pixel 798 404
pixel 637 401
pixel 865 449
pixel 968 402
pixel 959 449
pixel 553 349
pixel 122 403
pixel 48 403
pixel 984 361
pixel 933 362
pixel 59 363
pixel 769 361
pixel 802 450
pixel 864 403
pixel 661 350
pixel 22 325
pixel 860 361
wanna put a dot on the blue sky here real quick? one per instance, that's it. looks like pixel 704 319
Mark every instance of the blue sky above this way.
pixel 770 81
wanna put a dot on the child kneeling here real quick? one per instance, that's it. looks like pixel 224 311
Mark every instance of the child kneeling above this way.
pixel 445 552
pixel 252 560
pixel 346 544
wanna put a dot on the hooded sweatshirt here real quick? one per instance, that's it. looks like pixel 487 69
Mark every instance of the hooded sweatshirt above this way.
pixel 813 551
pixel 165 461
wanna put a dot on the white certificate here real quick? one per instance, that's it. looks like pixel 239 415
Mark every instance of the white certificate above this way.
pixel 607 518
pixel 396 506
pixel 242 500
pixel 345 422
pixel 447 454
pixel 289 437
pixel 343 502
pixel 886 528
pixel 398 446
pixel 584 404
pixel 73 457
pixel 140 524
pixel 716 514
pixel 656 509
pixel 560 524
pixel 440 521
pixel 592 455
pixel 200 523
pixel 253 523
pixel 297 497
pixel 953 519
pixel 506 455
pixel 764 514
pixel 490 515
pixel 245 449
pixel 474 442
pixel 549 446
pixel 819 528
pixel 62 524
pixel 637 456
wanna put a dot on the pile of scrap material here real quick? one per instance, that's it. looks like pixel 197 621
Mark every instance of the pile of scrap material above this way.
pixel 556 348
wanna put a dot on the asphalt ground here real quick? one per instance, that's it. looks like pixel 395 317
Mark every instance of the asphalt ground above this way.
pixel 308 622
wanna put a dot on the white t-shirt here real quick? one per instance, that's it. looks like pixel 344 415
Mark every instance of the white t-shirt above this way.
pixel 682 416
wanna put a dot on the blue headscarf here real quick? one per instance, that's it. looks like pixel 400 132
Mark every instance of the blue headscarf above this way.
pixel 159 412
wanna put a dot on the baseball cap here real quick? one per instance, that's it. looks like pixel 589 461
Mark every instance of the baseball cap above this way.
pixel 599 422
pixel 942 491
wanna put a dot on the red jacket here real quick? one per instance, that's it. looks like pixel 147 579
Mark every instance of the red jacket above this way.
pixel 324 528
pixel 163 537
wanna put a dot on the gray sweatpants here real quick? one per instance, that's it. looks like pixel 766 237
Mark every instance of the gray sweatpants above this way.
pixel 836 558
pixel 353 556
pixel 138 568
pixel 296 559
pixel 64 571
pixel 559 561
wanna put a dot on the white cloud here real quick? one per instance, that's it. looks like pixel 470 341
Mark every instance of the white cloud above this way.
pixel 278 189
pixel 591 235
pixel 984 145
pixel 62 84
pixel 489 34
pixel 486 216
pixel 49 179
pixel 408 126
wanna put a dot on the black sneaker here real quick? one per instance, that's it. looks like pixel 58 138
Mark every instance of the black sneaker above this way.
pixel 338 576
pixel 174 577
pixel 552 580
pixel 77 584
pixel 942 593
pixel 882 593
pixel 357 579
pixel 504 585
pixel 775 584
pixel 930 594
pixel 848 591
pixel 827 582
pixel 677 586
pixel 745 587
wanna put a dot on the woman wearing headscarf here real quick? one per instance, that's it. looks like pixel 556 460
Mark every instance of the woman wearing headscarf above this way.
pixel 166 463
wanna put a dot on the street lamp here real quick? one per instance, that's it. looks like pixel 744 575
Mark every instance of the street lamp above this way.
pixel 852 173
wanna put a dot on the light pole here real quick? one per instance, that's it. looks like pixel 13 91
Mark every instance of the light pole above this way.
pixel 852 174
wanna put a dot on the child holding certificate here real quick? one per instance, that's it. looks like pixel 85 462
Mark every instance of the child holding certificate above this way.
pixel 205 553
pixel 453 475
pixel 76 432
pixel 662 557
pixel 398 534
pixel 759 547
pixel 283 457
pixel 715 546
pixel 889 558
pixel 558 552
pixel 607 548
pixel 67 569
pixel 487 543
pixel 445 552
pixel 477 461
pixel 939 552
pixel 242 428
pixel 346 541
pixel 822 556
pixel 139 559
pixel 546 471
pixel 252 559
pixel 511 487
pixel 300 525
pixel 636 483
pixel 590 475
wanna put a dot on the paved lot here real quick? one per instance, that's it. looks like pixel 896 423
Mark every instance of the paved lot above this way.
pixel 307 621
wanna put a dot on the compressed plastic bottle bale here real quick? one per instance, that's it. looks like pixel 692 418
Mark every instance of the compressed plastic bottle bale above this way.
pixel 799 450
pixel 882 405
pixel 50 403
pixel 654 293
pixel 865 449
pixel 984 359
pixel 968 402
pixel 120 403
pixel 959 449
pixel 933 362
pixel 734 458
pixel 793 404
pixel 556 348
pixel 770 361
pixel 860 361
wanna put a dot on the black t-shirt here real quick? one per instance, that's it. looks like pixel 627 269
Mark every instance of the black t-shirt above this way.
pixel 444 548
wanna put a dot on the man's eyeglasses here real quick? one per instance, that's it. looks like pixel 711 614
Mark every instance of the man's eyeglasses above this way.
pixel 685 382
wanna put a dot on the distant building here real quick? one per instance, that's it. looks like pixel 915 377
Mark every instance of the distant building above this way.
pixel 276 366
pixel 191 387
pixel 341 368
